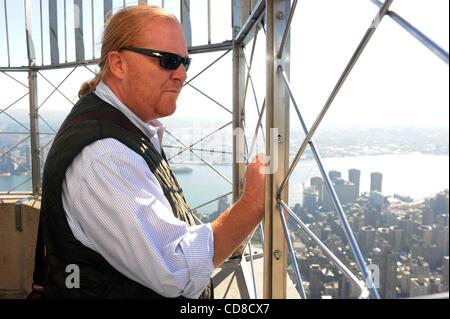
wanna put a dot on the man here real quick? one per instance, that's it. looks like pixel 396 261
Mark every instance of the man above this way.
pixel 111 206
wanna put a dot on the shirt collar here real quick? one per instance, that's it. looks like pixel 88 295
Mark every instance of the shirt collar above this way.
pixel 150 129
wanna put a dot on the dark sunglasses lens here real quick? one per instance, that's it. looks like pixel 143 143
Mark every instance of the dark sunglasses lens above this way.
pixel 171 61
pixel 187 63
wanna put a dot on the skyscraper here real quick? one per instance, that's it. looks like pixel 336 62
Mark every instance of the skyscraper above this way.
pixel 334 175
pixel 354 177
pixel 376 180
pixel 317 183
pixel 367 239
pixel 426 234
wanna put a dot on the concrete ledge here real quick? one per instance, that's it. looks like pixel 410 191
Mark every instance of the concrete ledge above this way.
pixel 17 247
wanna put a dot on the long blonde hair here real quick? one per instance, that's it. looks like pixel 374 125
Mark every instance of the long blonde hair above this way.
pixel 121 30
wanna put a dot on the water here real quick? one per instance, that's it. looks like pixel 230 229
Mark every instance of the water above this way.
pixel 415 175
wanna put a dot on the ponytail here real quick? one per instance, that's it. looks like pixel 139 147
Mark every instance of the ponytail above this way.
pixel 89 86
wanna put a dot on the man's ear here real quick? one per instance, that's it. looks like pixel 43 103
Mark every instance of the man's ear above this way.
pixel 117 64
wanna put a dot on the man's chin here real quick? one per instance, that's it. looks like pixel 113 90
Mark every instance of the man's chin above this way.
pixel 167 111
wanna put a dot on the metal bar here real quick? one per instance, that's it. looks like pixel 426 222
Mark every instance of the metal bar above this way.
pixel 209 21
pixel 29 38
pixel 192 50
pixel 206 68
pixel 65 31
pixel 286 31
pixel 258 125
pixel 253 90
pixel 210 98
pixel 249 65
pixel 255 17
pixel 42 30
pixel 89 70
pixel 16 187
pixel 261 232
pixel 212 201
pixel 298 276
pixel 337 204
pixel 201 158
pixel 10 105
pixel 46 123
pixel 12 118
pixel 426 41
pixel 185 7
pixel 13 78
pixel 252 269
pixel 66 65
pixel 55 88
pixel 34 132
pixel 201 140
pixel 277 117
pixel 93 29
pixel 197 149
pixel 15 161
pixel 239 14
pixel 107 9
pixel 78 24
pixel 142 2
pixel 49 142
pixel 226 45
pixel 15 146
pixel 380 15
pixel 163 4
pixel 18 211
pixel 53 26
pixel 7 33
pixel 329 253
pixel 15 69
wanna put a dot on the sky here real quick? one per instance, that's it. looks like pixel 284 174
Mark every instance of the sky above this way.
pixel 396 82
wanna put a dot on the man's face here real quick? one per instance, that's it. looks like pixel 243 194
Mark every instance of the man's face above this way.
pixel 150 90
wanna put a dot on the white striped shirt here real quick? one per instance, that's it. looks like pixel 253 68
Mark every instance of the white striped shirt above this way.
pixel 116 206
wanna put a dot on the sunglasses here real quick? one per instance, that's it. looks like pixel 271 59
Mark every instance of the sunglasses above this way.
pixel 169 61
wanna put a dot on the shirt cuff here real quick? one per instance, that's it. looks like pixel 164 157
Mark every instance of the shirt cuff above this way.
pixel 199 258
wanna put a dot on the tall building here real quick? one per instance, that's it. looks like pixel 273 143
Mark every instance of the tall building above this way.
pixel 419 267
pixel 315 281
pixel 406 224
pixel 426 234
pixel 345 191
pixel 317 183
pixel 367 239
pixel 387 263
pixel 354 176
pixel 376 181
pixel 440 203
pixel 334 175
pixel 397 238
pixel 442 240
pixel 310 200
pixel 384 234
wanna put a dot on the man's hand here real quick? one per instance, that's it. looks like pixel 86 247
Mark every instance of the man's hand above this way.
pixel 237 222
pixel 254 186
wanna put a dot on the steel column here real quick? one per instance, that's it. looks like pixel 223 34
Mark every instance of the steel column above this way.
pixel 277 117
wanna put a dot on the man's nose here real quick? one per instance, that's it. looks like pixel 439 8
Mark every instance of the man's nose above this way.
pixel 180 73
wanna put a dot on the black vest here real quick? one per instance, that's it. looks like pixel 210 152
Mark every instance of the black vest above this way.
pixel 91 120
